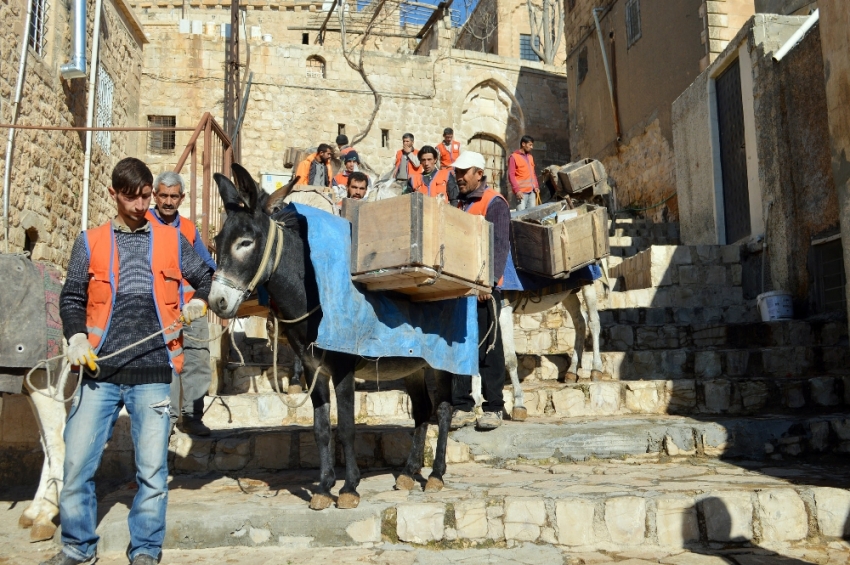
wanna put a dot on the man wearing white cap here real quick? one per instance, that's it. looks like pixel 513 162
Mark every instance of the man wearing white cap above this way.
pixel 475 197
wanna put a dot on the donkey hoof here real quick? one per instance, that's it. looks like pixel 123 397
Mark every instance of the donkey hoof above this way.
pixel 25 522
pixel 294 389
pixel 569 378
pixel 519 414
pixel 320 502
pixel 348 500
pixel 403 482
pixel 42 532
pixel 434 485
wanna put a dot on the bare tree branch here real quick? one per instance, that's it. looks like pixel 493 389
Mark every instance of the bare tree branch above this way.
pixel 547 26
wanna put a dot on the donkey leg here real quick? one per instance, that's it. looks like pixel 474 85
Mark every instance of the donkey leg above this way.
pixel 476 390
pixel 588 292
pixel 344 388
pixel 421 404
pixel 506 326
pixel 322 433
pixel 573 306
pixel 444 419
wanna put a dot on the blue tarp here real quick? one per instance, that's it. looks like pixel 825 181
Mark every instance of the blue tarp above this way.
pixel 374 324
pixel 521 281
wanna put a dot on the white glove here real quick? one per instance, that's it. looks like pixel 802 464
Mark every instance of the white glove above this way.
pixel 79 351
pixel 192 310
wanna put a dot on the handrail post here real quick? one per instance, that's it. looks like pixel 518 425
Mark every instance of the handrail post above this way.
pixel 205 196
pixel 193 185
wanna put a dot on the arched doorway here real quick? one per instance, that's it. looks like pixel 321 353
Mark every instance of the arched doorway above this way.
pixel 494 158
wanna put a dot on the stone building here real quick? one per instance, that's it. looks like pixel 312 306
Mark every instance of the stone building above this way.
pixel 47 167
pixel 752 154
pixel 305 94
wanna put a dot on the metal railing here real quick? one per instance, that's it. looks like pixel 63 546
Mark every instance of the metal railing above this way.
pixel 216 157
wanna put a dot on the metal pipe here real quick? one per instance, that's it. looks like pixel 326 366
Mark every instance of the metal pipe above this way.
pixel 98 8
pixel 76 67
pixel 798 35
pixel 10 143
pixel 607 69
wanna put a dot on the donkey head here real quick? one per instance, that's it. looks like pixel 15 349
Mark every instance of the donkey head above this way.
pixel 241 241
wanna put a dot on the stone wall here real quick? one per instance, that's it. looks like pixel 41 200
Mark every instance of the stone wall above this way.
pixel 723 19
pixel 48 165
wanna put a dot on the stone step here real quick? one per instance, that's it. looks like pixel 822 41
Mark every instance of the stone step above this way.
pixel 696 295
pixel 663 265
pixel 613 507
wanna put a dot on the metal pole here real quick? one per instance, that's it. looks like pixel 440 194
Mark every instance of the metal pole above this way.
pixel 98 8
pixel 10 143
pixel 607 69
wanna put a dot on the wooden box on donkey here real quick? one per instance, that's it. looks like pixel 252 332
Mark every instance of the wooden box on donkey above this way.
pixel 551 241
pixel 419 246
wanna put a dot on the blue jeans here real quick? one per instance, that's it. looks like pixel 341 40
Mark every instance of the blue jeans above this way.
pixel 89 427
pixel 525 200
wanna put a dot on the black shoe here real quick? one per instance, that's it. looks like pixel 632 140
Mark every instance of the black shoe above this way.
pixel 193 427
pixel 63 558
pixel 144 558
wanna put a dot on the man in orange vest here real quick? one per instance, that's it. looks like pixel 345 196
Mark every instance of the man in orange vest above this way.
pixel 342 145
pixel 521 174
pixel 449 149
pixel 316 169
pixel 406 163
pixel 439 183
pixel 194 381
pixel 475 197
pixel 351 164
pixel 123 285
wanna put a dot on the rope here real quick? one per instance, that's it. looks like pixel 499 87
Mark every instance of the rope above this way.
pixel 283 398
pixel 493 325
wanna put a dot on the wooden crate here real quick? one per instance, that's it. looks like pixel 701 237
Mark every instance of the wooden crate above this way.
pixel 581 175
pixel 402 243
pixel 556 250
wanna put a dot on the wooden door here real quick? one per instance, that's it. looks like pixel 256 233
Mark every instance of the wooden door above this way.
pixel 733 154
pixel 494 158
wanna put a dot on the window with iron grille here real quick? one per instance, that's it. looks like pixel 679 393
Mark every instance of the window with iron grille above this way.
pixel 38 26
pixel 161 142
pixel 526 53
pixel 315 67
pixel 582 64
pixel 385 138
pixel 105 90
pixel 829 278
pixel 633 32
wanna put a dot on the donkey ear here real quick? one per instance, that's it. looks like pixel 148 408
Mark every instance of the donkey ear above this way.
pixel 229 194
pixel 275 200
pixel 246 185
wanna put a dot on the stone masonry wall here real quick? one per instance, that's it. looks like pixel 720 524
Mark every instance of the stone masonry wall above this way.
pixel 48 165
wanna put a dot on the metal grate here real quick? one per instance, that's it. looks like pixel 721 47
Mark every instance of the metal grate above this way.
pixel 105 91
pixel 733 153
pixel 38 26
pixel 526 53
pixel 633 31
pixel 315 68
pixel 161 142
pixel 829 276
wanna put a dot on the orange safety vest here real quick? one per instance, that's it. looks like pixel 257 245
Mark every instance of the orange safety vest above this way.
pixel 526 178
pixel 189 232
pixel 437 188
pixel 341 179
pixel 410 168
pixel 447 157
pixel 480 207
pixel 103 285
pixel 303 169
pixel 346 150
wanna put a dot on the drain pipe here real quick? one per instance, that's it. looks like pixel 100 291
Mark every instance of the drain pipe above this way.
pixel 76 67
pixel 90 112
pixel 10 143
pixel 596 12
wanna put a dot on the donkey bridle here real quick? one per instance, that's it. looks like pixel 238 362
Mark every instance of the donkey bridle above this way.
pixel 274 244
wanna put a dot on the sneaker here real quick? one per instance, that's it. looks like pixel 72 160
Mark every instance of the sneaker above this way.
pixel 462 418
pixel 63 558
pixel 490 420
pixel 193 427
pixel 144 559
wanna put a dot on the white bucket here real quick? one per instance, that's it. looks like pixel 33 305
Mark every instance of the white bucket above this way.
pixel 775 305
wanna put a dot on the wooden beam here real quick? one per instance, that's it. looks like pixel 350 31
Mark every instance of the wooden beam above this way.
pixel 320 37
pixel 435 15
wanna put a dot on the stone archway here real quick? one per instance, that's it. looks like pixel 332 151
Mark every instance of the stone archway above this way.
pixel 490 107
pixel 495 158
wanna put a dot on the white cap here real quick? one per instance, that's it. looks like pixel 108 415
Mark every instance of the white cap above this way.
pixel 469 159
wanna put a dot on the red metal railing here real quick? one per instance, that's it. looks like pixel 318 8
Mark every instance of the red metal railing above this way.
pixel 216 152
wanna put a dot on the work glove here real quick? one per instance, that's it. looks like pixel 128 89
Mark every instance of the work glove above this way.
pixel 80 353
pixel 192 310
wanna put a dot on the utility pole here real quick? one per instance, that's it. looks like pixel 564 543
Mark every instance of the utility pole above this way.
pixel 232 88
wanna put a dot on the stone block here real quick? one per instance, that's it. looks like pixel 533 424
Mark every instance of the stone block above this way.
pixel 384 404
pixel 625 518
pixel 574 517
pixel 833 510
pixel 396 447
pixel 605 398
pixel 495 525
pixel 717 396
pixel 191 454
pixel 471 519
pixel 570 402
pixel 271 409
pixel 728 516
pixel 707 364
pixel 232 454
pixel 420 522
pixel 682 394
pixel 643 397
pixel 657 337
pixel 676 521
pixel 823 391
pixel 271 451
pixel 524 516
pixel 783 515
pixel 309 451
pixel 818 436
pixel 621 337
pixel 730 253
pixel 673 363
pixel 754 394
pixel 793 395
pixel 365 531
pixel 841 427
pixel 736 362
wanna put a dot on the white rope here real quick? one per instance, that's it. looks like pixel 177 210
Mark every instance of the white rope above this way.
pixel 284 398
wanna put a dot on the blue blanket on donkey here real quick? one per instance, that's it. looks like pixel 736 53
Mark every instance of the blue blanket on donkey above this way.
pixel 374 324
pixel 521 281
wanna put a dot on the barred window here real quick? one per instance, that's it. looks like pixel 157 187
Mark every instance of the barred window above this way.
pixel 38 26
pixel 582 64
pixel 526 53
pixel 633 31
pixel 161 142
pixel 315 67
pixel 105 91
